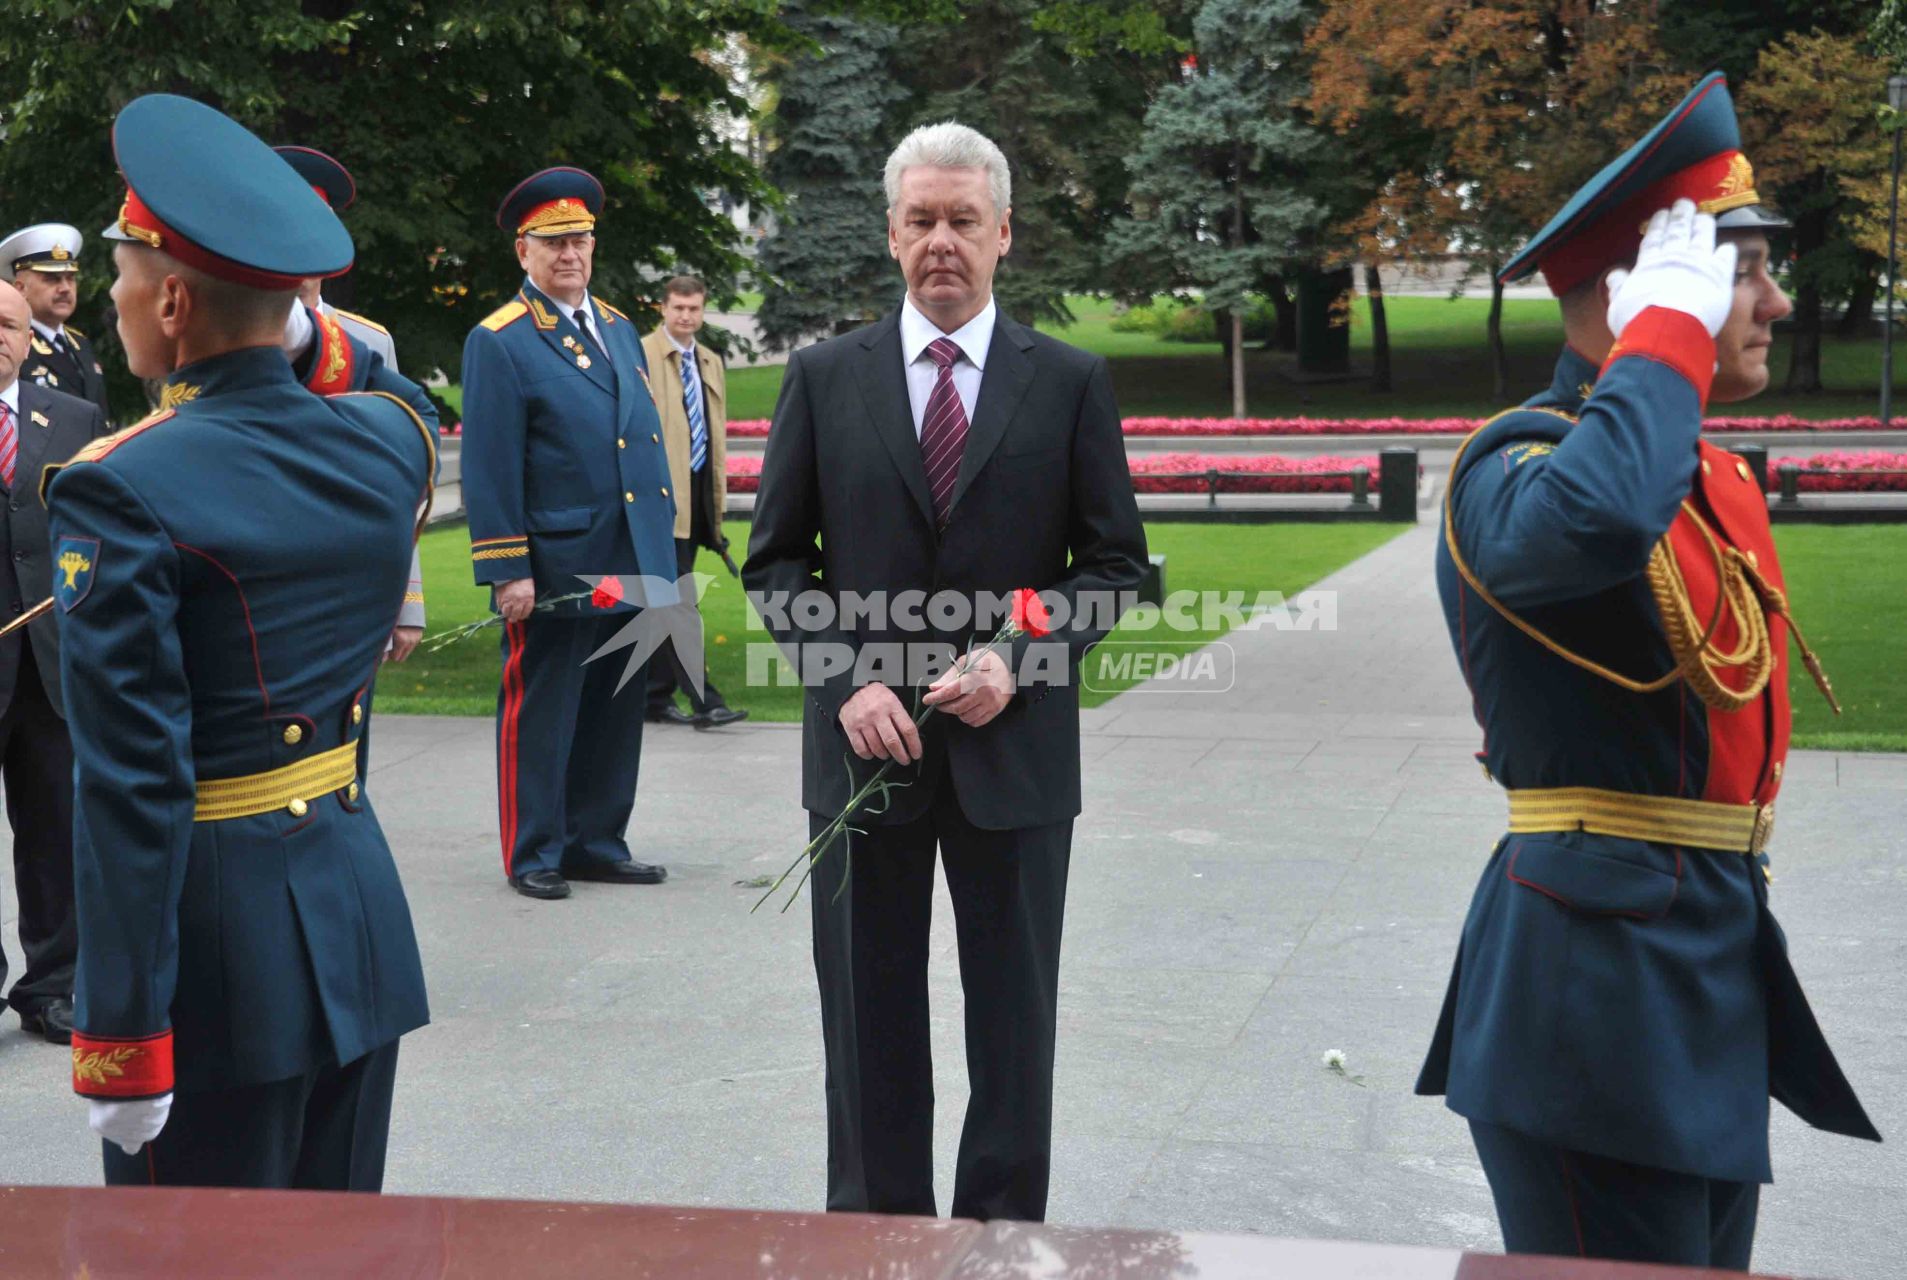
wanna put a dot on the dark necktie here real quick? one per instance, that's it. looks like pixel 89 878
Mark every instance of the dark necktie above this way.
pixel 943 427
pixel 582 322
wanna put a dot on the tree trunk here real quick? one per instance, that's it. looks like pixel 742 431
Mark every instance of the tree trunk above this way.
pixel 1804 352
pixel 1238 362
pixel 1499 372
pixel 1284 332
pixel 1860 306
pixel 1380 330
pixel 1804 349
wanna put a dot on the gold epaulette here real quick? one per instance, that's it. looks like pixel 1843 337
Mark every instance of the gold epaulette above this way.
pixel 94 450
pixel 508 313
pixel 366 321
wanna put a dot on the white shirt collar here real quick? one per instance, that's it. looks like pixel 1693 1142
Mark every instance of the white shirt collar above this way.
pixel 568 312
pixel 47 331
pixel 687 349
pixel 973 338
pixel 11 396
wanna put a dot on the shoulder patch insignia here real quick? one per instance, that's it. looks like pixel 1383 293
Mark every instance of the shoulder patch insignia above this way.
pixel 541 315
pixel 1522 451
pixel 75 332
pixel 508 313
pixel 75 561
pixel 614 312
pixel 366 321
pixel 41 347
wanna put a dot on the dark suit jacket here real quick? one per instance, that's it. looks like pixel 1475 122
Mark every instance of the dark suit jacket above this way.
pixel 75 374
pixel 53 427
pixel 1043 500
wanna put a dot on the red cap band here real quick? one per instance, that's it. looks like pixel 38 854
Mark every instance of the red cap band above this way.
pixel 139 222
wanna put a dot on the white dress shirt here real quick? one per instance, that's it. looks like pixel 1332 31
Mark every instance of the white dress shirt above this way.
pixel 592 328
pixel 11 398
pixel 973 338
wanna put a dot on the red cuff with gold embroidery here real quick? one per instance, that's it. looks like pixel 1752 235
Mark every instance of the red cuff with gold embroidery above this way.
pixel 331 362
pixel 1674 338
pixel 110 1068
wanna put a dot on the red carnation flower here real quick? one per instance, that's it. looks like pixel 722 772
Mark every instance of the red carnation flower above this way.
pixel 607 594
pixel 1030 614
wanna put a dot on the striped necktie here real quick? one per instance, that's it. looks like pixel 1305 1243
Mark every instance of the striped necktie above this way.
pixel 943 427
pixel 692 401
pixel 9 443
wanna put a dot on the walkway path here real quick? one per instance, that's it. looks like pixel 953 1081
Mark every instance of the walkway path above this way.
pixel 1258 877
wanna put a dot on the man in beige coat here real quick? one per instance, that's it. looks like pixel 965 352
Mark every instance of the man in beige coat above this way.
pixel 691 394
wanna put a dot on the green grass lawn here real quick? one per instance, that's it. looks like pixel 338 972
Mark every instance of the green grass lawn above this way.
pixel 462 679
pixel 1440 367
pixel 1848 586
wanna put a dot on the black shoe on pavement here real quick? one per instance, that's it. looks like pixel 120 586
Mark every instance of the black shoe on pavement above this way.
pixel 670 714
pixel 53 1020
pixel 716 717
pixel 547 885
pixel 620 873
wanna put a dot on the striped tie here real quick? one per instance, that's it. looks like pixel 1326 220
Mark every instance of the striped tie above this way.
pixel 9 444
pixel 692 401
pixel 943 428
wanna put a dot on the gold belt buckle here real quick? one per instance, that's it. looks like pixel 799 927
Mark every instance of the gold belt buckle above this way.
pixel 1764 829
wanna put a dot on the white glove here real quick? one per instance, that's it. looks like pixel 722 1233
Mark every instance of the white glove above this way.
pixel 132 1124
pixel 299 331
pixel 1680 267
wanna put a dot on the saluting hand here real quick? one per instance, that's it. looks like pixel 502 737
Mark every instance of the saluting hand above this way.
pixel 515 598
pixel 1680 267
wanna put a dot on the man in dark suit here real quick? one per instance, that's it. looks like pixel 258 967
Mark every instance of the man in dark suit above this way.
pixel 44 261
pixel 566 480
pixel 37 426
pixel 951 452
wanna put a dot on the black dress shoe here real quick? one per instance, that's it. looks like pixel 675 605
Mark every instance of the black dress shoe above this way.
pixel 54 1020
pixel 716 717
pixel 620 873
pixel 540 884
pixel 670 714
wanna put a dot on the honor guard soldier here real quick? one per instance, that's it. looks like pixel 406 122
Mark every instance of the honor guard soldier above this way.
pixel 1622 1005
pixel 335 186
pixel 566 481
pixel 44 260
pixel 224 572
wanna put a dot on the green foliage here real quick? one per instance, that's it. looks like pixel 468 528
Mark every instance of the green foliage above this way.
pixel 438 109
pixel 1177 320
pixel 826 263
pixel 1219 175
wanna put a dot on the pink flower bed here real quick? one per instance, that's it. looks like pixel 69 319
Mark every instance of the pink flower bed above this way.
pixel 756 427
pixel 1810 481
pixel 744 470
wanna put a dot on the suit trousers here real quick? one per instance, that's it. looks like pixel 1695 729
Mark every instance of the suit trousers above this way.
pixel 36 760
pixel 1549 1200
pixel 873 898
pixel 322 1131
pixel 568 747
pixel 666 672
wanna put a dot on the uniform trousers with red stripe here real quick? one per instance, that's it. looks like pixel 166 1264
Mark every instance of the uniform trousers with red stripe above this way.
pixel 1573 1204
pixel 568 744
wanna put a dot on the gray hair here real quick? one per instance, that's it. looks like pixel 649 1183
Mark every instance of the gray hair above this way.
pixel 949 145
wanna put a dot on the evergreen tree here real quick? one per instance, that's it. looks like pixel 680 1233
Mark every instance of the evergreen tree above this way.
pixel 826 261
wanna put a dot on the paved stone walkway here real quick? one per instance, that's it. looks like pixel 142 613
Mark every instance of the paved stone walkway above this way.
pixel 1258 877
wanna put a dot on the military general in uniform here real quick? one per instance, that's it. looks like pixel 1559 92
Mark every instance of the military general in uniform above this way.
pixel 1622 1006
pixel 247 962
pixel 566 481
pixel 44 260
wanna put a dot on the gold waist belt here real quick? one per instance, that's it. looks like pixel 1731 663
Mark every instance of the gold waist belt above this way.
pixel 289 787
pixel 1696 824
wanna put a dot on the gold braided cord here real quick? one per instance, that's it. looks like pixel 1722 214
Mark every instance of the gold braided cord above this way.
pixel 222 798
pixel 1742 594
